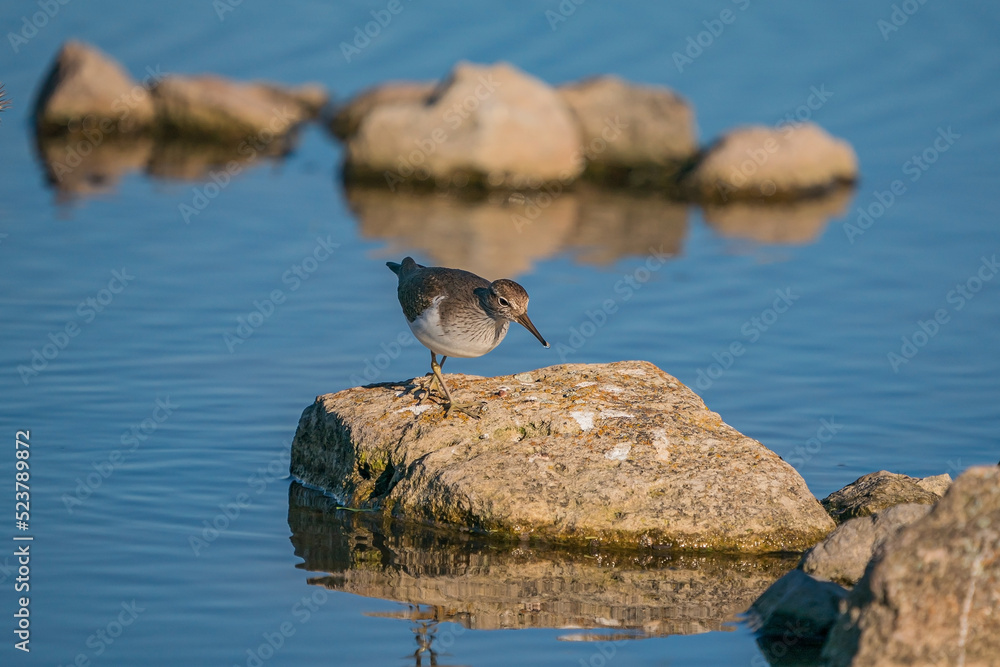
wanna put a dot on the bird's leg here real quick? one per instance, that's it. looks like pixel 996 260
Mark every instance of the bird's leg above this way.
pixel 449 404
pixel 434 378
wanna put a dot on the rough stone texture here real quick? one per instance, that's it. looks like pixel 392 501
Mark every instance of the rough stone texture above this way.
pixel 932 594
pixel 630 127
pixel 772 163
pixel 211 108
pixel 844 554
pixel 487 584
pixel 797 607
pixel 85 83
pixel 879 490
pixel 616 453
pixel 493 126
pixel 348 117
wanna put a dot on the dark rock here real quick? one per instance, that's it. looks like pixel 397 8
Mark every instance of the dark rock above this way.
pixel 880 490
pixel 931 594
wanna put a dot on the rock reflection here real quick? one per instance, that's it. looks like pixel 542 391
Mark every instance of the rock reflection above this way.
pixel 789 223
pixel 505 234
pixel 484 584
pixel 90 163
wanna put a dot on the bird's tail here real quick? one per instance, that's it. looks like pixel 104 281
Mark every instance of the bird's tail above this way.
pixel 394 267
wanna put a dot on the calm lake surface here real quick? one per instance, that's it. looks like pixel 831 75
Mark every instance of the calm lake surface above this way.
pixel 325 587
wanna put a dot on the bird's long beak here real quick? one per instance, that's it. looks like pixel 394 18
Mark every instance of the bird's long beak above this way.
pixel 525 321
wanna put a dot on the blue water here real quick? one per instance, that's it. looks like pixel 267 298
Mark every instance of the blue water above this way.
pixel 132 535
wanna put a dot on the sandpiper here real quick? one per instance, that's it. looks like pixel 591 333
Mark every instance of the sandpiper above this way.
pixel 456 313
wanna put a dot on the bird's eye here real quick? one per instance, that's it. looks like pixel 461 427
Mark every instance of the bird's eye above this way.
pixel 503 302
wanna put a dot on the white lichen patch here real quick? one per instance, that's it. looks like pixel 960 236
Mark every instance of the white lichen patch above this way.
pixel 662 445
pixel 584 419
pixel 618 452
pixel 611 414
pixel 611 388
pixel 530 398
pixel 585 384
pixel 416 409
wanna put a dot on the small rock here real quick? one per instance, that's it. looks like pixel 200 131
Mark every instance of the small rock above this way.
pixel 877 491
pixel 214 109
pixel 484 126
pixel 631 132
pixel 348 117
pixel 770 163
pixel 931 594
pixel 937 484
pixel 843 555
pixel 797 607
pixel 85 83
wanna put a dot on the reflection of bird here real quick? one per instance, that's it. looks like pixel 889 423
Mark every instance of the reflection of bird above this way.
pixel 455 313
pixel 4 102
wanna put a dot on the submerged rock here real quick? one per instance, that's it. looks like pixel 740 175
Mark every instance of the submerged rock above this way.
pixel 759 162
pixel 631 133
pixel 844 554
pixel 931 595
pixel 85 89
pixel 616 453
pixel 490 126
pixel 880 490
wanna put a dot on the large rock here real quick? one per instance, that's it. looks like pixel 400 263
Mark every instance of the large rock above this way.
pixel 880 490
pixel 843 555
pixel 772 163
pixel 632 132
pixel 616 453
pixel 492 126
pixel 211 108
pixel 932 595
pixel 348 117
pixel 86 89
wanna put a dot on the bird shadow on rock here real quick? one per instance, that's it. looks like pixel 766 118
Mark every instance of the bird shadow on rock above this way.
pixel 483 582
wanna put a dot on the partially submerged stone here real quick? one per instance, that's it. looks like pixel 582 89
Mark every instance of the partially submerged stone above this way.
pixel 632 133
pixel 348 117
pixel 758 162
pixel 85 89
pixel 931 595
pixel 215 109
pixel 880 490
pixel 844 554
pixel 616 453
pixel 489 126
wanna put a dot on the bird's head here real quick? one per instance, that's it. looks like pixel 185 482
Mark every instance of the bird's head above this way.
pixel 505 299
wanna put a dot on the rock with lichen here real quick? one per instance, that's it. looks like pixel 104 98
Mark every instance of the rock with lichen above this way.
pixel 618 453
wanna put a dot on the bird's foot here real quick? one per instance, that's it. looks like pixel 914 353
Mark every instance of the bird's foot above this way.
pixel 426 390
pixel 473 410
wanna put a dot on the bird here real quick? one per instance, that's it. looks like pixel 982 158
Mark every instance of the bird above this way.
pixel 456 313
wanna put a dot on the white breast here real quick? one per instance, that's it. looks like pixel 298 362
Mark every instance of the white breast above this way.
pixel 428 330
